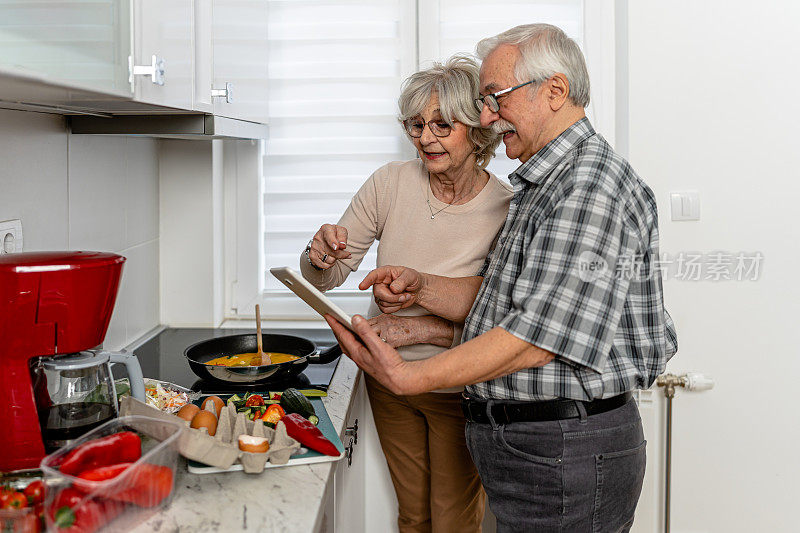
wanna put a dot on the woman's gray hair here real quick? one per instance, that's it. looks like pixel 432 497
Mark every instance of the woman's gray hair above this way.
pixel 545 50
pixel 456 84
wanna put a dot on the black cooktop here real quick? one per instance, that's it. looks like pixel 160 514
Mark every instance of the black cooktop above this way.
pixel 162 358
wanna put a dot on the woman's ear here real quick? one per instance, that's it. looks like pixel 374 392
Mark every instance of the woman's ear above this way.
pixel 557 87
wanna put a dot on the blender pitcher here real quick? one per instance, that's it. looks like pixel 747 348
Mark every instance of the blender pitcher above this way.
pixel 75 393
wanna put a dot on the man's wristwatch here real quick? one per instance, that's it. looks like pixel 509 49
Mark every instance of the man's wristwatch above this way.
pixel 307 252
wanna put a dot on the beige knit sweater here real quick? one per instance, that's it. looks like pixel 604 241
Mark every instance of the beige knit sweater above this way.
pixel 391 208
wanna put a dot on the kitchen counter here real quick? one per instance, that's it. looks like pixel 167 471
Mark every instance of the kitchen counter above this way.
pixel 289 498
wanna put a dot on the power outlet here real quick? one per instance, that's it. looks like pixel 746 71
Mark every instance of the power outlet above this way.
pixel 10 236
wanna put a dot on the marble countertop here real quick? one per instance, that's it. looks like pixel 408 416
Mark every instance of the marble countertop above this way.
pixel 279 499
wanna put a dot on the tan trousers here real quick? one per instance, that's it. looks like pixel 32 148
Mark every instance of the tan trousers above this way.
pixel 422 436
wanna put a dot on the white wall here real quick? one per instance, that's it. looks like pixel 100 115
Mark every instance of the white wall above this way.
pixel 86 193
pixel 712 108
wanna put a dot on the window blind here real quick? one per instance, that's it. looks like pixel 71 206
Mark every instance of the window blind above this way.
pixel 335 69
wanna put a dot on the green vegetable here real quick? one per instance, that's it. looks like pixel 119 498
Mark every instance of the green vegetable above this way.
pixel 251 411
pixel 293 401
pixel 314 419
pixel 237 400
pixel 254 411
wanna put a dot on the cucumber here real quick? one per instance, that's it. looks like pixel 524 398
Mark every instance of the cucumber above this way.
pixel 253 411
pixel 293 401
pixel 237 400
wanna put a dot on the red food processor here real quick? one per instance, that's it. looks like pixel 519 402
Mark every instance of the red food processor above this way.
pixel 54 308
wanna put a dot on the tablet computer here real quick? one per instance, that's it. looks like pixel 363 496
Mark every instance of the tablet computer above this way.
pixel 310 295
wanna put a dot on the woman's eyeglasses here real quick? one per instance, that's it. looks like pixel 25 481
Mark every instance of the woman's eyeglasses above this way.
pixel 439 128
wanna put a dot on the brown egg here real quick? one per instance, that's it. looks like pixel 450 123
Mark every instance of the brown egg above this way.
pixel 188 411
pixel 252 444
pixel 205 419
pixel 218 403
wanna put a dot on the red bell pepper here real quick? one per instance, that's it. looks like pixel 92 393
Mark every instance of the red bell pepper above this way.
pixel 104 472
pixel 308 434
pixel 273 414
pixel 73 512
pixel 146 485
pixel 123 447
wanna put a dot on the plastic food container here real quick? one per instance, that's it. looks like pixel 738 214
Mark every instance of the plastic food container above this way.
pixel 20 520
pixel 26 520
pixel 116 504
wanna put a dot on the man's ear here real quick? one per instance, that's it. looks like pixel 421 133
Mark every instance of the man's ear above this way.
pixel 557 87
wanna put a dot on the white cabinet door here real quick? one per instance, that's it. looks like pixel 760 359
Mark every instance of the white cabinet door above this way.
pixel 350 473
pixel 203 57
pixel 164 30
pixel 75 43
pixel 240 58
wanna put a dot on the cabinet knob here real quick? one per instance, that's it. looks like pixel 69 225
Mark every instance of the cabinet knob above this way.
pixel 352 431
pixel 155 70
pixel 226 93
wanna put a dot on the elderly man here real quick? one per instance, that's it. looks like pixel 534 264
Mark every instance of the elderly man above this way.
pixel 566 317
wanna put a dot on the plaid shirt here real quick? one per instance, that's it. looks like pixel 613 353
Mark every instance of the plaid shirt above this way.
pixel 574 272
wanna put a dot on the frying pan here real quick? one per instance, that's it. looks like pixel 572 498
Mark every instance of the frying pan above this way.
pixel 200 353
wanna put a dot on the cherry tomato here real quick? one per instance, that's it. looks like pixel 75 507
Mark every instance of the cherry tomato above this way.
pixel 254 400
pixel 35 491
pixel 5 496
pixel 17 500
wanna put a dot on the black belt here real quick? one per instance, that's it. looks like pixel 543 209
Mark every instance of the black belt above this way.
pixel 505 412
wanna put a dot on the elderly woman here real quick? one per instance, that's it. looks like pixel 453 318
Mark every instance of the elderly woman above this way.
pixel 440 214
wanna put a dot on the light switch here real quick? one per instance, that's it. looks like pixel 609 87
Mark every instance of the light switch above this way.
pixel 685 205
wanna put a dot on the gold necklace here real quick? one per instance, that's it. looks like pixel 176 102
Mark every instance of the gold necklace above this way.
pixel 433 215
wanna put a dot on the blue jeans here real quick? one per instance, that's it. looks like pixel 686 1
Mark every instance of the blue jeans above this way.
pixel 580 474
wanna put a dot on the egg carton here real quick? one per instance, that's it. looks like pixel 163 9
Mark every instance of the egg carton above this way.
pixel 222 449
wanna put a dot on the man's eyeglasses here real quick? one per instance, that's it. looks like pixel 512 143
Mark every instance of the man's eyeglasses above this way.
pixel 439 128
pixel 490 100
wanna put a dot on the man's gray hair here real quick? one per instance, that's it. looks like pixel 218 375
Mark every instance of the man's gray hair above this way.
pixel 545 50
pixel 456 84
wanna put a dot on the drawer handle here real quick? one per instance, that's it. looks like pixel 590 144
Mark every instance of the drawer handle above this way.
pixel 352 431
pixel 226 93
pixel 348 452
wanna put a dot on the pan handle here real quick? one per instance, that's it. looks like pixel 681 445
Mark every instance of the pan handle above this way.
pixel 325 356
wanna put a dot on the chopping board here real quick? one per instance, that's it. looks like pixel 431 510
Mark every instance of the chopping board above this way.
pixel 303 457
